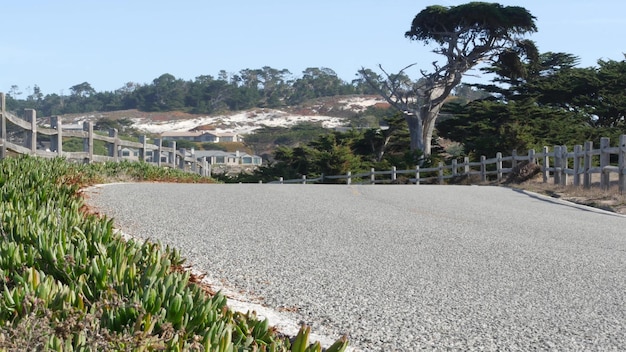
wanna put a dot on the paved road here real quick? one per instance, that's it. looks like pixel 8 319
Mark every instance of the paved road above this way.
pixel 401 268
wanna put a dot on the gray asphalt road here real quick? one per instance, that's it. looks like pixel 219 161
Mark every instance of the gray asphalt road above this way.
pixel 401 268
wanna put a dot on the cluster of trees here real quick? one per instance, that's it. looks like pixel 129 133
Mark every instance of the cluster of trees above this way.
pixel 265 87
pixel 542 100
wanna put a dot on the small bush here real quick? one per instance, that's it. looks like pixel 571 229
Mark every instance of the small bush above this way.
pixel 522 172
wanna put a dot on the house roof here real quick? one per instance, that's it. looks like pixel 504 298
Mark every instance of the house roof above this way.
pixel 195 134
pixel 182 134
pixel 211 153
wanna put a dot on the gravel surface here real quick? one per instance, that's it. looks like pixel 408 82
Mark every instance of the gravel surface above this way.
pixel 400 268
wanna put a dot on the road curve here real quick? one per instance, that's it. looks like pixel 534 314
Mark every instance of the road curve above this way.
pixel 400 268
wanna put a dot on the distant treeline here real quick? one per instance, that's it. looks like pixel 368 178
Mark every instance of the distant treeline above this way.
pixel 206 94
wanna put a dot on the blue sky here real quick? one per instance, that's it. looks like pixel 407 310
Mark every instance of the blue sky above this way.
pixel 58 44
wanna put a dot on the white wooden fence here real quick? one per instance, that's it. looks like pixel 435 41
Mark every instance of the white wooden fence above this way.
pixel 155 153
pixel 560 165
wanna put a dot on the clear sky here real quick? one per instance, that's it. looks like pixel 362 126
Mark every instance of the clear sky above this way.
pixel 56 44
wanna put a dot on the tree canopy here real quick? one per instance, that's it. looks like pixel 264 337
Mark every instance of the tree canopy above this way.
pixel 551 103
pixel 473 22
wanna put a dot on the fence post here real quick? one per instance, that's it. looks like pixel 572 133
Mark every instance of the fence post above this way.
pixel 531 156
pixel 587 164
pixel 557 165
pixel 304 179
pixel 417 175
pixel 466 166
pixel 564 165
pixel 56 141
pixel 454 168
pixel 88 142
pixel 622 163
pixel 31 134
pixel 113 147
pixel 142 150
pixel 280 180
pixel 159 144
pixel 605 160
pixel 499 166
pixel 194 161
pixel 181 160
pixel 171 159
pixel 349 179
pixel 513 158
pixel 3 127
pixel 394 176
pixel 440 173
pixel 372 176
pixel 577 158
pixel 546 164
pixel 202 168
pixel 483 168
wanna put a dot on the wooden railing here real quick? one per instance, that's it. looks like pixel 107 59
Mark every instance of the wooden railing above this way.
pixel 560 166
pixel 155 152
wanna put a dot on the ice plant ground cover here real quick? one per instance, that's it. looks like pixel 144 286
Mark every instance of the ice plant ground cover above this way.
pixel 69 282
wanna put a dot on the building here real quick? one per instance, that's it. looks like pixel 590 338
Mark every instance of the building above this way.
pixel 181 136
pixel 201 136
pixel 128 153
pixel 220 157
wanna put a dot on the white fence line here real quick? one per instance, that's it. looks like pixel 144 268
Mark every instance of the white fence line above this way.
pixel 584 160
pixel 155 153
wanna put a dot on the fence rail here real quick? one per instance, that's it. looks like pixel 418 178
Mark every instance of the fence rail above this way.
pixel 555 165
pixel 155 152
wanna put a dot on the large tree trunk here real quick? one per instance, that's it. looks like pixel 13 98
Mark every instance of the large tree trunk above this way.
pixel 428 114
pixel 428 127
pixel 414 120
pixel 430 97
pixel 381 150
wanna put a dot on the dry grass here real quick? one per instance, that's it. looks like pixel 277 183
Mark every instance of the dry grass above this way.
pixel 528 176
pixel 610 199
